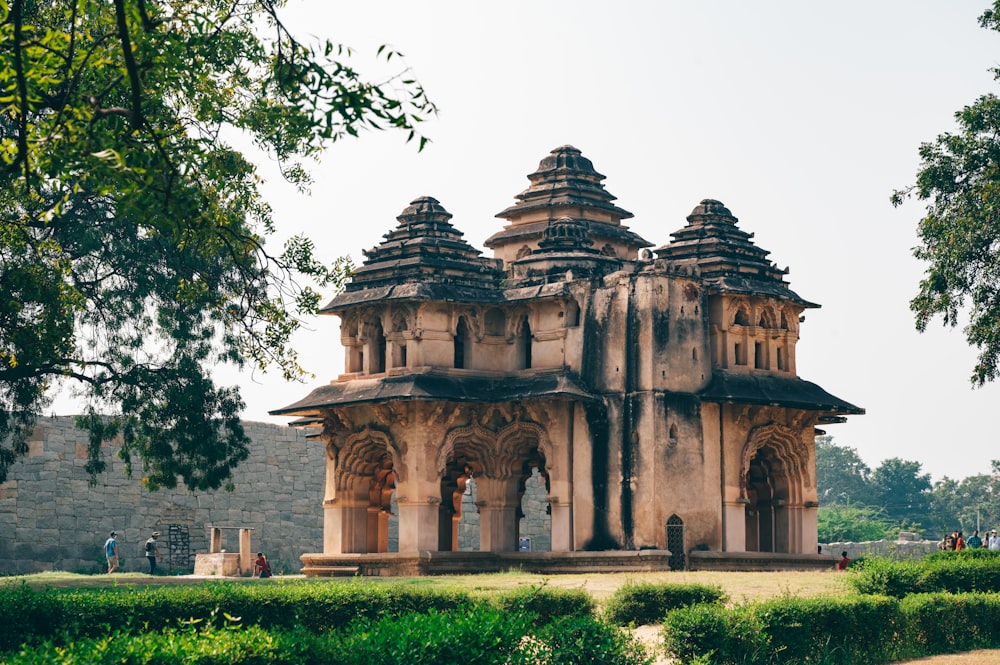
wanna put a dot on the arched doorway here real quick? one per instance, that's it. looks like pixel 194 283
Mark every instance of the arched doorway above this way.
pixel 775 464
pixel 501 465
pixel 675 543
pixel 365 481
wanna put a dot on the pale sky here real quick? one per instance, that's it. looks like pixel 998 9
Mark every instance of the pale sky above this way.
pixel 801 117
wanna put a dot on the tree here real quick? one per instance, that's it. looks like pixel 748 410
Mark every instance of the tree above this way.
pixel 854 524
pixel 966 504
pixel 133 250
pixel 959 177
pixel 842 477
pixel 902 491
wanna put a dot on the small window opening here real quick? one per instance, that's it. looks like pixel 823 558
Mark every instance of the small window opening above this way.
pixel 738 352
pixel 461 333
pixel 759 359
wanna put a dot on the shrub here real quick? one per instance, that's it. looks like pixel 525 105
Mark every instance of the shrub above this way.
pixel 711 633
pixel 787 630
pixel 477 635
pixel 643 604
pixel 209 646
pixel 315 606
pixel 954 573
pixel 544 602
pixel 581 640
pixel 943 622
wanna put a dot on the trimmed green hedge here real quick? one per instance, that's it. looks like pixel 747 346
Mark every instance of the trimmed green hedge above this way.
pixel 475 635
pixel 954 572
pixel 36 615
pixel 644 604
pixel 857 630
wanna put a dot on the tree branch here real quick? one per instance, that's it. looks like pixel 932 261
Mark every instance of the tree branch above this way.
pixel 130 65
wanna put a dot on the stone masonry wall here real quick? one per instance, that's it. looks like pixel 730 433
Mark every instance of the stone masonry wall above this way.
pixel 51 518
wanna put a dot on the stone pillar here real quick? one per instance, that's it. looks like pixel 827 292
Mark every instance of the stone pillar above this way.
pixel 418 525
pixel 246 556
pixel 382 525
pixel 497 500
pixel 735 537
pixel 562 525
pixel 333 519
pixel 372 530
pixel 810 539
pixel 782 527
pixel 215 542
pixel 498 528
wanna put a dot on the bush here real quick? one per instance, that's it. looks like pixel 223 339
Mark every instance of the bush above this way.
pixel 711 633
pixel 544 602
pixel 315 606
pixel 477 635
pixel 643 604
pixel 581 640
pixel 944 623
pixel 788 630
pixel 955 572
pixel 209 646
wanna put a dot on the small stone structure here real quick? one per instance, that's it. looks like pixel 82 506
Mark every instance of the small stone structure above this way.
pixel 52 518
pixel 655 393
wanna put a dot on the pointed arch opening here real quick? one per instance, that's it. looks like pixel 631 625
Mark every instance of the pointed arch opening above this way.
pixel 675 543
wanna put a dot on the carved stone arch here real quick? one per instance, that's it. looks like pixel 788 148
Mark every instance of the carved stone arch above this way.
pixel 472 437
pixel 740 313
pixel 363 454
pixel 402 318
pixel 788 450
pixel 512 453
pixel 767 316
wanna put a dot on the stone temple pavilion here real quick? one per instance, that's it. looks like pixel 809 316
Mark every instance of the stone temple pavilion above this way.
pixel 653 394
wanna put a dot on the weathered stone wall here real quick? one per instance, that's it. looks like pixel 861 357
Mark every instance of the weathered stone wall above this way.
pixel 51 518
pixel 893 549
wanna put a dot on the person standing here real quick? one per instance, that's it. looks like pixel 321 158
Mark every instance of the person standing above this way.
pixel 974 541
pixel 111 551
pixel 994 542
pixel 152 552
pixel 959 541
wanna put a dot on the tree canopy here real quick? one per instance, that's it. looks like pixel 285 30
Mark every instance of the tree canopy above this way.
pixel 133 253
pixel 959 177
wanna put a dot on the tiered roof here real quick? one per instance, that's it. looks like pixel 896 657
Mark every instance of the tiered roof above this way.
pixel 726 257
pixel 423 258
pixel 565 184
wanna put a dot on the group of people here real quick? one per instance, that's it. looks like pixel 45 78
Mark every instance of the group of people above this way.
pixel 151 549
pixel 261 567
pixel 956 541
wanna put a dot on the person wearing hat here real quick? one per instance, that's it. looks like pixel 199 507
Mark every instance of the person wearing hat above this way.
pixel 111 551
pixel 994 541
pixel 152 552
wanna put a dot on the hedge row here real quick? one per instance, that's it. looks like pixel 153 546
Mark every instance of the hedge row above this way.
pixel 475 635
pixel 316 607
pixel 956 572
pixel 856 630
pixel 644 604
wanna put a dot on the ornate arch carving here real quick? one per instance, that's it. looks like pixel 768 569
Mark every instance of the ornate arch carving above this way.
pixel 789 451
pixel 474 436
pixel 363 453
pixel 511 443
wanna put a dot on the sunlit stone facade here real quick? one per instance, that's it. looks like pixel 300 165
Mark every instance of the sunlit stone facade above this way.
pixel 654 390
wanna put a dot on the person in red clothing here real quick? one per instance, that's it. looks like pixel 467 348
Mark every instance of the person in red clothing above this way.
pixel 844 561
pixel 959 541
pixel 261 568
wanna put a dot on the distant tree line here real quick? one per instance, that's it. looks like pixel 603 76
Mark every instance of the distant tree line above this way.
pixel 858 504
